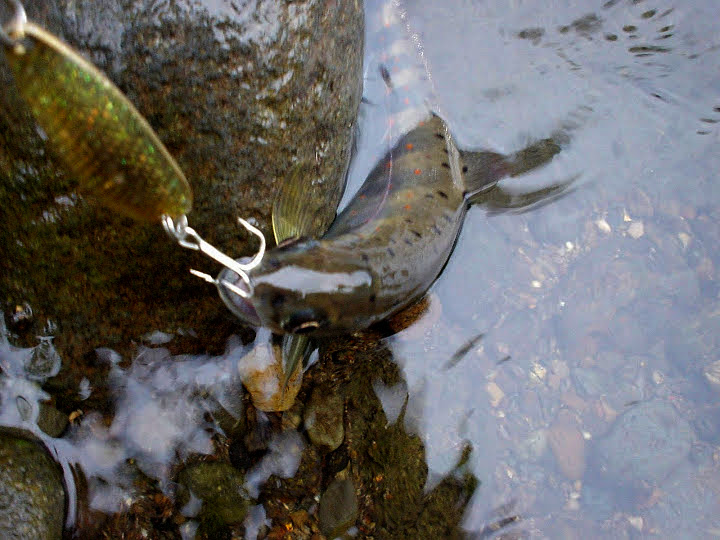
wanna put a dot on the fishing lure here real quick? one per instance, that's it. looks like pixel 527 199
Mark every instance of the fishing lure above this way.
pixel 100 137
pixel 95 131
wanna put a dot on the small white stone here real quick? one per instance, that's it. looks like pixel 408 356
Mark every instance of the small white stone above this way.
pixel 685 238
pixel 603 225
pixel 536 284
pixel 495 392
pixel 636 229
pixel 636 521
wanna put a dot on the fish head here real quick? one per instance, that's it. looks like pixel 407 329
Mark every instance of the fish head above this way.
pixel 299 290
pixel 241 306
pixel 286 312
pixel 270 305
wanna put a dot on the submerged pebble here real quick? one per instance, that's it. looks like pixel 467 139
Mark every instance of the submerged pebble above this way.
pixel 645 444
pixel 220 487
pixel 338 508
pixel 568 445
pixel 324 419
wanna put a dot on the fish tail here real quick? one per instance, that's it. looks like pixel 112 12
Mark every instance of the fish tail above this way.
pixel 482 170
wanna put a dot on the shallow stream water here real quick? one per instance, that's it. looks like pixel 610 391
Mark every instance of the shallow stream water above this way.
pixel 569 350
pixel 587 386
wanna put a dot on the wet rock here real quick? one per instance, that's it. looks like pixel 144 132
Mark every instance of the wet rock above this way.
pixel 324 419
pixel 262 374
pixel 568 445
pixel 220 487
pixel 645 444
pixel 51 421
pixel 338 508
pixel 241 94
pixel 687 506
pixel 32 495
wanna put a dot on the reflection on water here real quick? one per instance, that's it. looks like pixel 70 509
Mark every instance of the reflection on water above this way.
pixel 559 379
pixel 588 399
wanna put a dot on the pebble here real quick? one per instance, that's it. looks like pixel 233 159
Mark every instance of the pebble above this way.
pixel 51 421
pixel 712 375
pixel 495 392
pixel 646 443
pixel 636 229
pixel 603 225
pixel 568 445
pixel 221 488
pixel 324 418
pixel 338 508
pixel 261 372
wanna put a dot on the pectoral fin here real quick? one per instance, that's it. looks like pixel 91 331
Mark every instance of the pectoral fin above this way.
pixel 295 351
pixel 293 215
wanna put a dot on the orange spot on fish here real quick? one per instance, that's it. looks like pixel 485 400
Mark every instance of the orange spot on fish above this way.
pixel 362 196
pixel 418 171
pixel 421 123
pixel 409 146
pixel 353 212
pixel 406 207
pixel 406 101
pixel 389 164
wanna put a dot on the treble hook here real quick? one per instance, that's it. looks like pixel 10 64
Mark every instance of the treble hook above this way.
pixel 187 237
pixel 14 27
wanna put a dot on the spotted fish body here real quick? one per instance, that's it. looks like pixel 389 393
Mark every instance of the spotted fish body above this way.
pixel 396 234
pixel 95 131
pixel 383 251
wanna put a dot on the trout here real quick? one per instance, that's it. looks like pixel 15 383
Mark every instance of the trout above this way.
pixel 389 244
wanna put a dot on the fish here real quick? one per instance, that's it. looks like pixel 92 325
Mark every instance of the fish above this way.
pixel 93 128
pixel 390 243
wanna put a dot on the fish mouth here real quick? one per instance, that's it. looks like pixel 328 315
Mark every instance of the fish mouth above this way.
pixel 241 307
pixel 304 321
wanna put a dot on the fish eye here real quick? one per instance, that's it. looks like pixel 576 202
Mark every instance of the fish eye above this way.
pixel 304 321
pixel 278 300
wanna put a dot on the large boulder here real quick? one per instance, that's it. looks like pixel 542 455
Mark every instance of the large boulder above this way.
pixel 242 94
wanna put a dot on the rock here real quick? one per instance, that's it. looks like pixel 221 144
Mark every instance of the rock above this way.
pixel 261 372
pixel 32 494
pixel 338 508
pixel 712 375
pixel 241 93
pixel 220 487
pixel 568 445
pixel 645 444
pixel 324 419
pixel 51 421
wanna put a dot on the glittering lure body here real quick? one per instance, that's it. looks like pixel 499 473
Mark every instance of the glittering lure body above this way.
pixel 94 129
pixel 383 251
